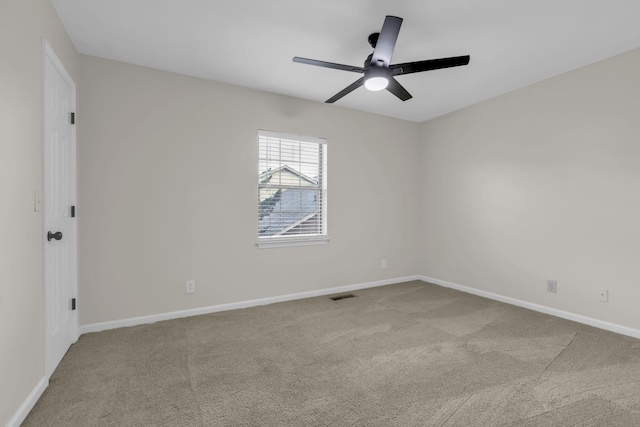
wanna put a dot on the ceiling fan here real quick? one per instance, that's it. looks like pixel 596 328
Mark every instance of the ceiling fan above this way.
pixel 378 72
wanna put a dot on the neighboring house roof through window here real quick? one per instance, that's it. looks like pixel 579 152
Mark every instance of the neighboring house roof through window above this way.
pixel 291 203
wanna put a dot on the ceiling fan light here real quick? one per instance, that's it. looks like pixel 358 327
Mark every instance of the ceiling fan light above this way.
pixel 376 83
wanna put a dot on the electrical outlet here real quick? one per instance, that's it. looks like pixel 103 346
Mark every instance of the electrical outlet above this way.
pixel 190 287
pixel 383 264
pixel 552 286
pixel 603 295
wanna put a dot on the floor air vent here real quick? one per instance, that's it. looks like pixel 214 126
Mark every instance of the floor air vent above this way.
pixel 339 297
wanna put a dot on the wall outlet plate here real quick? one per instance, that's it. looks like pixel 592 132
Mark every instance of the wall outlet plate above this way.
pixel 383 263
pixel 190 287
pixel 552 286
pixel 603 295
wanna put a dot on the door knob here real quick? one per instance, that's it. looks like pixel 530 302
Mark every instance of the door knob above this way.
pixel 57 235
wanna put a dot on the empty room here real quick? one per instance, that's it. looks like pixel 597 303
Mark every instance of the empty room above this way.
pixel 319 213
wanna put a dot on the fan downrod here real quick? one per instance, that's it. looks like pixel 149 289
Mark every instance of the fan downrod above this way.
pixel 373 39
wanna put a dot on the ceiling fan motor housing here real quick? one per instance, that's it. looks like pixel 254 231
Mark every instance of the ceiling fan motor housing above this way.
pixel 376 77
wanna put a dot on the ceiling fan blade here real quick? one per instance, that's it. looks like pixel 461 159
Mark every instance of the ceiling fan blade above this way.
pixel 398 90
pixel 328 64
pixel 429 64
pixel 347 90
pixel 386 41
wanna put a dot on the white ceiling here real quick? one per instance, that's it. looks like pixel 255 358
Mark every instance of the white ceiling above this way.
pixel 512 43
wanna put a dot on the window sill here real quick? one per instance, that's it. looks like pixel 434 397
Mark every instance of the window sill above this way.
pixel 280 243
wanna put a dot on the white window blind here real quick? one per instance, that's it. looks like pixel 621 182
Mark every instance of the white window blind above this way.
pixel 292 189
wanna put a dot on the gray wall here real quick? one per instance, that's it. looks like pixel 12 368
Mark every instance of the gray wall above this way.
pixel 541 183
pixel 23 24
pixel 168 193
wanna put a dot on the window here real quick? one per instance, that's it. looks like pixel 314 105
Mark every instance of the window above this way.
pixel 292 189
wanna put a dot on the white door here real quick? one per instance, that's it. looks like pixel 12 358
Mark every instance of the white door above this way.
pixel 60 229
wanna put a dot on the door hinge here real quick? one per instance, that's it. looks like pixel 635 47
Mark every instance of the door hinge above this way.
pixel 73 303
pixel 73 118
pixel 73 211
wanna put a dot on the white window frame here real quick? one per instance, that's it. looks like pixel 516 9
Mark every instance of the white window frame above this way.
pixel 299 239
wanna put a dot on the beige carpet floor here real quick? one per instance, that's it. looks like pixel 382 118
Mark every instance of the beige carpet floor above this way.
pixel 411 354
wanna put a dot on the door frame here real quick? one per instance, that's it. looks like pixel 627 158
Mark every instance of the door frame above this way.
pixel 49 54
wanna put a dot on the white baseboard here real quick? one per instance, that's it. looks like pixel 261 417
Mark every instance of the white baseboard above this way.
pixel 103 326
pixel 28 403
pixel 35 394
pixel 619 329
